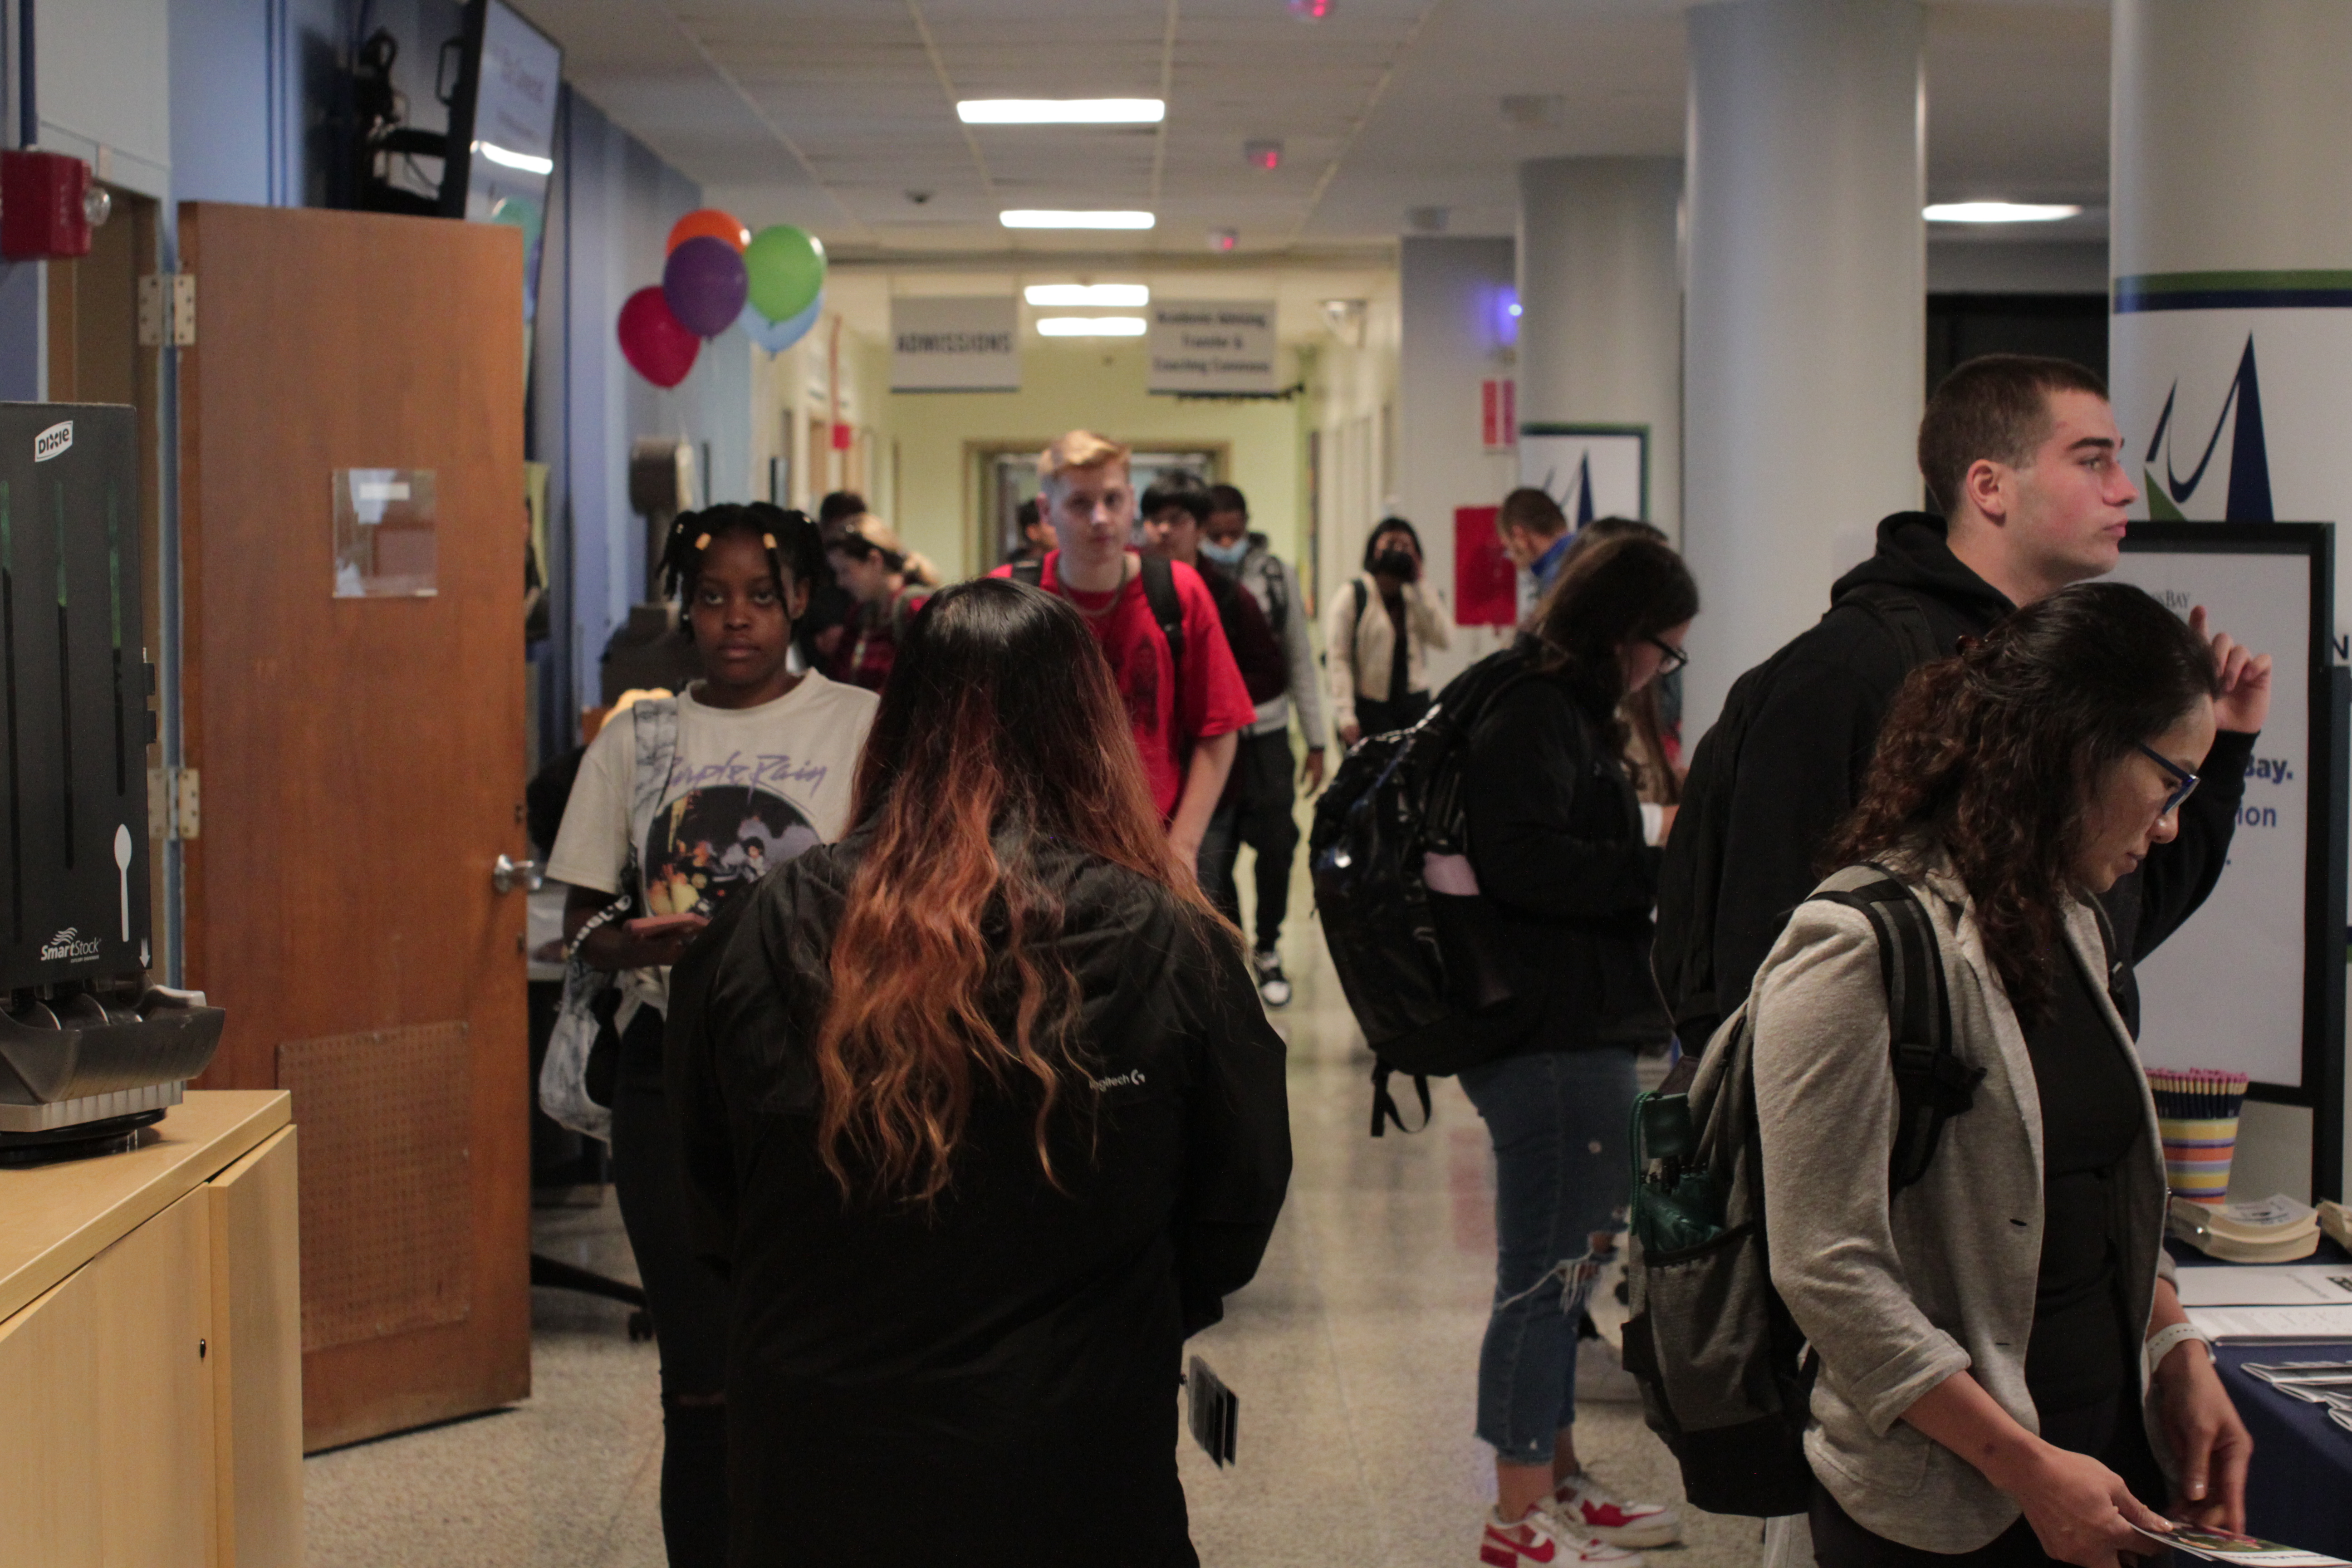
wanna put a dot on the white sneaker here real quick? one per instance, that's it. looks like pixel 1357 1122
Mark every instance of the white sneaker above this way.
pixel 1583 1505
pixel 1273 986
pixel 1540 1539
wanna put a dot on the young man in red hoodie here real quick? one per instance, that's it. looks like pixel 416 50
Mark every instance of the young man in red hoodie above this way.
pixel 1157 623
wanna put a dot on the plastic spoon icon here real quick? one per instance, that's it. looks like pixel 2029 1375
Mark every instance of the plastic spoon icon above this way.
pixel 123 872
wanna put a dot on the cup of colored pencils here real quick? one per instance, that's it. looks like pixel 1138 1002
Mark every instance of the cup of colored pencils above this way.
pixel 2197 1115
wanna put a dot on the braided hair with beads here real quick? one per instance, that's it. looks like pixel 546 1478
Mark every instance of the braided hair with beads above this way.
pixel 796 550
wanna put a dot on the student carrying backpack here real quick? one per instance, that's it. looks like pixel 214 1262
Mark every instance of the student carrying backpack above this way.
pixel 1487 899
pixel 1930 1157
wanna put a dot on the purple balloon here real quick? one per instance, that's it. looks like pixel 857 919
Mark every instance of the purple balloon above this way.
pixel 705 284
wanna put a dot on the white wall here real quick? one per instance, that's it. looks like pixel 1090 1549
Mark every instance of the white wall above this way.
pixel 1449 344
pixel 103 88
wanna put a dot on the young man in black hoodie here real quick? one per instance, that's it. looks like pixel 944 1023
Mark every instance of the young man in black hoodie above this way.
pixel 2023 454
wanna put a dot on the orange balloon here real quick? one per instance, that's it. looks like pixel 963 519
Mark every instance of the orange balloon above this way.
pixel 712 223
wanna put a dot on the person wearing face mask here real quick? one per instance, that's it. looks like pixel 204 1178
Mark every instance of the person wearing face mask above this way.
pixel 1376 637
pixel 1998 1339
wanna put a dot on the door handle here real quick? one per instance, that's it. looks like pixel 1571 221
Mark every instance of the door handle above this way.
pixel 506 873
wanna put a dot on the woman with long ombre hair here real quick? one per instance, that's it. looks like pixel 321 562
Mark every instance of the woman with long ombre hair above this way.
pixel 983 1117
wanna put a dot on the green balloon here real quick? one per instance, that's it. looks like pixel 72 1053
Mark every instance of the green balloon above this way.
pixel 787 268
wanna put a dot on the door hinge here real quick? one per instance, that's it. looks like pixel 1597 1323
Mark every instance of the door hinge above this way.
pixel 175 803
pixel 167 310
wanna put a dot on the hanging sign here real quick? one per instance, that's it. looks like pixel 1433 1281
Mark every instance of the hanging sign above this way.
pixel 955 345
pixel 1211 345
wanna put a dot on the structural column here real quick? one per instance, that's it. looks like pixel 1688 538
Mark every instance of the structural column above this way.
pixel 2229 354
pixel 1805 347
pixel 1600 350
pixel 2231 234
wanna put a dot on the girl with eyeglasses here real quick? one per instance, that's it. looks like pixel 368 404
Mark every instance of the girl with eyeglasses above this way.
pixel 1998 1340
pixel 1566 875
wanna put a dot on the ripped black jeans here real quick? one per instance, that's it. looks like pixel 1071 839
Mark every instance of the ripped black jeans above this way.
pixel 1558 1119
pixel 688 1301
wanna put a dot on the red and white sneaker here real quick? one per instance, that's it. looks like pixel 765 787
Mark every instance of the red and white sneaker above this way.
pixel 1586 1506
pixel 1542 1540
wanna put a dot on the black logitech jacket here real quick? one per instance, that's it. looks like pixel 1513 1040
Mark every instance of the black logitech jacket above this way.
pixel 999 1376
pixel 1810 743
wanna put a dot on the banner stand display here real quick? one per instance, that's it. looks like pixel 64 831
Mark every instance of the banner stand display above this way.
pixel 2254 981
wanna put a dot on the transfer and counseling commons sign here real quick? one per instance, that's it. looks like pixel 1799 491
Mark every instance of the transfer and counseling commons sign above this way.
pixel 1211 346
pixel 2234 391
pixel 954 344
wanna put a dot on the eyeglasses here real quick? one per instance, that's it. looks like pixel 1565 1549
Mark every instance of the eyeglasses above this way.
pixel 1673 659
pixel 2184 782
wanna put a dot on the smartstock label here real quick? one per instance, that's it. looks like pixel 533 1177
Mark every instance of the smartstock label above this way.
pixel 53 441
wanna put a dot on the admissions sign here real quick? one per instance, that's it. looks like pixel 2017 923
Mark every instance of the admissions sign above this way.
pixel 954 344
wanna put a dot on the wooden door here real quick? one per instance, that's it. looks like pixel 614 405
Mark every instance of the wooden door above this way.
pixel 360 767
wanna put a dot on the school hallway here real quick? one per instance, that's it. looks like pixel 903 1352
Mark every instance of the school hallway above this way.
pixel 1353 1353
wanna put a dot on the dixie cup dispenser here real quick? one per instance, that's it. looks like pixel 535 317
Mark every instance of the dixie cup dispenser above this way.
pixel 89 1051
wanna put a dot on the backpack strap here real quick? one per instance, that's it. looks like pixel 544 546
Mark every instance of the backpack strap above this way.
pixel 1384 1105
pixel 1932 1084
pixel 1030 571
pixel 1167 607
pixel 1901 614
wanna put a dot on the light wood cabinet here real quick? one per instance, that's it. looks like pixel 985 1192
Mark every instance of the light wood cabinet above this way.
pixel 151 1349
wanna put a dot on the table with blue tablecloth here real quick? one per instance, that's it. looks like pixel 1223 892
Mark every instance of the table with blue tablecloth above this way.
pixel 2299 1490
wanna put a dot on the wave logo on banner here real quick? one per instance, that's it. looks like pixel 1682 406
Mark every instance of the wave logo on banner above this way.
pixel 2244 484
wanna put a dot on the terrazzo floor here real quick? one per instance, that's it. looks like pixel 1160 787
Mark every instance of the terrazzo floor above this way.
pixel 1353 1353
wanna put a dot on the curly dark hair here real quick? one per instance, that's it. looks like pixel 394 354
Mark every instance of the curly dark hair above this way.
pixel 1992 756
pixel 1618 590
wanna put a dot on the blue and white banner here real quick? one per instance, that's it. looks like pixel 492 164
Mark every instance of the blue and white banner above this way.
pixel 2234 393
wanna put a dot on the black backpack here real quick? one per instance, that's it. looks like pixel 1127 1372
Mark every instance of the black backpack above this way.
pixel 1417 966
pixel 1159 588
pixel 1726 1380
pixel 1690 876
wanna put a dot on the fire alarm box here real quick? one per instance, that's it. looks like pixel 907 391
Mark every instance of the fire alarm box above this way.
pixel 44 211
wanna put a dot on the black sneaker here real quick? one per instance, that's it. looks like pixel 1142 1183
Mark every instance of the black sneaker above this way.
pixel 1273 986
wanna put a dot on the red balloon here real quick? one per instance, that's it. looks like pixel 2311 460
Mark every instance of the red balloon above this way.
pixel 656 345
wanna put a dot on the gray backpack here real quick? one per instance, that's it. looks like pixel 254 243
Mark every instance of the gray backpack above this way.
pixel 1726 1379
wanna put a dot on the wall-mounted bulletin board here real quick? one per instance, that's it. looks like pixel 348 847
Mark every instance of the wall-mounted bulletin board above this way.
pixel 2255 981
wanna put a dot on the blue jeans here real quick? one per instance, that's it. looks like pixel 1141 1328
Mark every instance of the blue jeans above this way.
pixel 1558 1119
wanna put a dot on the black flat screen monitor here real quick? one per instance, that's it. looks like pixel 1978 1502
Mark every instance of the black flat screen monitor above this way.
pixel 502 131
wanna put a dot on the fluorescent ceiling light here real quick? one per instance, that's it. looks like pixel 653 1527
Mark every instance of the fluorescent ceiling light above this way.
pixel 1090 326
pixel 1061 111
pixel 1996 212
pixel 1116 295
pixel 1030 217
pixel 507 159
